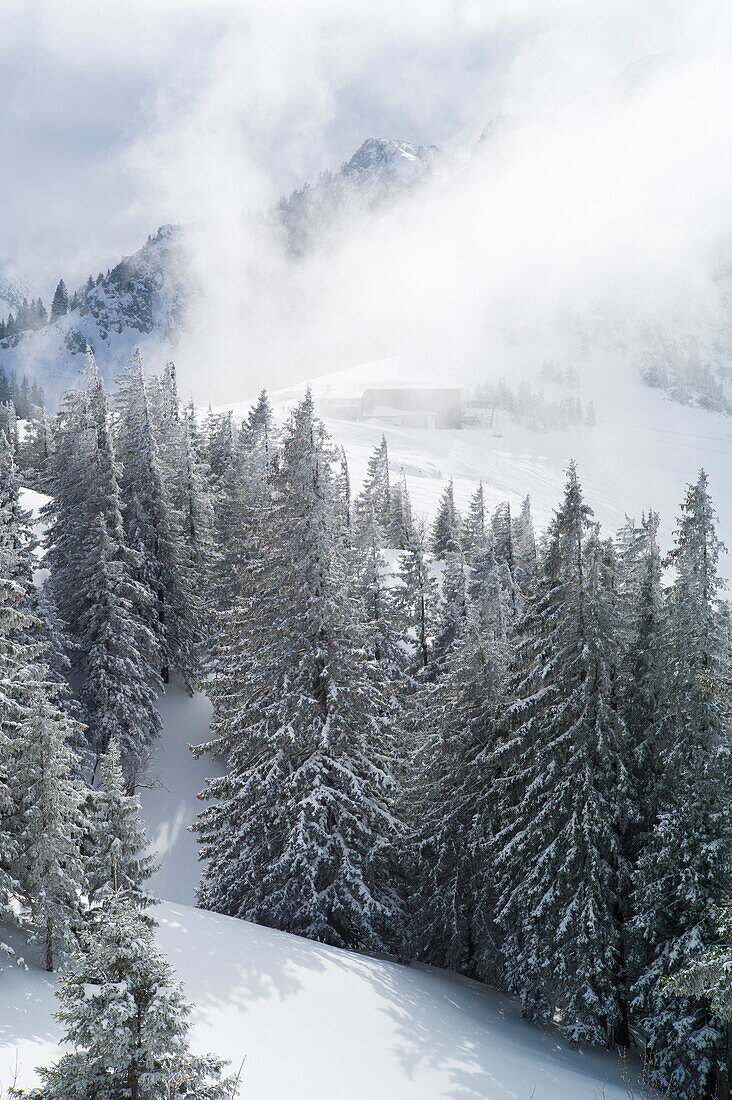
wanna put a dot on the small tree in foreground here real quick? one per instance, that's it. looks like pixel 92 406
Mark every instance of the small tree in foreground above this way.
pixel 126 1021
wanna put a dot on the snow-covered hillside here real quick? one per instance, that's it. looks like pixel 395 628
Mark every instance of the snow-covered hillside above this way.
pixel 310 1021
pixel 641 454
pixel 379 172
pixel 141 301
pixel 317 1023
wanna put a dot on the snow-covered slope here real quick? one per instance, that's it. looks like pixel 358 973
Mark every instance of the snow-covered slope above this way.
pixel 317 1023
pixel 141 301
pixel 310 1021
pixel 379 172
pixel 641 454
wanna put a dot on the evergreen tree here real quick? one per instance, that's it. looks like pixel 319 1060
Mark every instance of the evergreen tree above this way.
pixel 149 528
pixel 475 530
pixel 402 522
pixel 126 1022
pixel 524 548
pixel 296 833
pixel 417 595
pixel 645 643
pixel 34 454
pixel 503 535
pixel 565 793
pixel 115 845
pixel 93 581
pixel 447 526
pixel 344 492
pixel 60 303
pixel 453 896
pixel 375 497
pixel 490 589
pixel 48 803
pixel 452 608
pixel 684 871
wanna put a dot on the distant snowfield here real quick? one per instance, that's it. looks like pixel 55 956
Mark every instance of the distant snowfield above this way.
pixel 642 453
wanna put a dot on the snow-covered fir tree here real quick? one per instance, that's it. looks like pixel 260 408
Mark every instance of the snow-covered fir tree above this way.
pixel 644 656
pixel 94 584
pixel 34 453
pixel 374 500
pixel 564 790
pixel 150 529
pixel 452 608
pixel 684 869
pixel 343 481
pixel 446 530
pixel 402 522
pixel 417 595
pixel 115 849
pixel 244 493
pixel 475 528
pixel 452 806
pixel 126 1022
pixel 48 806
pixel 523 538
pixel 297 832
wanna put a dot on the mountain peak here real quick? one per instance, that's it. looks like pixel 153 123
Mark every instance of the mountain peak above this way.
pixel 386 156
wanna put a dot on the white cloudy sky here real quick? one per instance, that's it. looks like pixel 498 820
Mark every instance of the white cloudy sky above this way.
pixel 611 199
pixel 115 117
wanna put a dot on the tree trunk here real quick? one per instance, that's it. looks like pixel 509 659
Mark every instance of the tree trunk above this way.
pixel 49 946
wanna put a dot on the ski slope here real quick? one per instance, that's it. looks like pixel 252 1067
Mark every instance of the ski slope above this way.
pixel 641 454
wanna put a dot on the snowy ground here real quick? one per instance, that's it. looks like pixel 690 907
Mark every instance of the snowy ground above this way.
pixel 641 454
pixel 317 1023
pixel 311 1021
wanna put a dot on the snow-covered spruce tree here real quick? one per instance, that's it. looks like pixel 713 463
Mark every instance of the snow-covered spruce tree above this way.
pixel 193 518
pixel 115 844
pixel 34 454
pixel 645 668
pixel 375 496
pixel 523 539
pixel 297 832
pixel 94 585
pixel 14 660
pixel 447 526
pixel 707 979
pixel 219 438
pixel 451 610
pixel 684 869
pixel 452 806
pixel 150 530
pixel 503 534
pixel 9 424
pixel 564 793
pixel 490 589
pixel 48 804
pixel 37 840
pixel 385 641
pixel 343 481
pixel 244 492
pixel 126 1021
pixel 402 522
pixel 475 528
pixel 417 596
pixel 60 302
